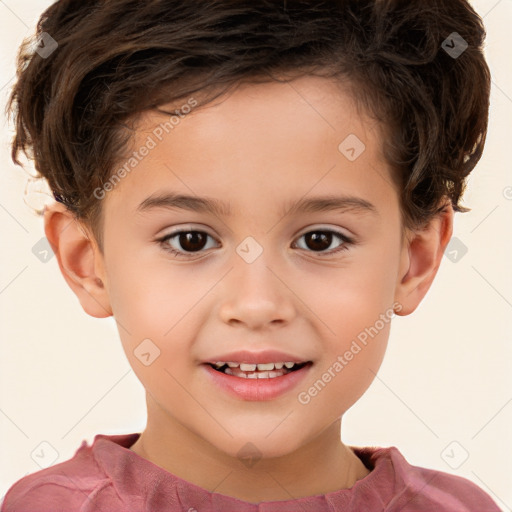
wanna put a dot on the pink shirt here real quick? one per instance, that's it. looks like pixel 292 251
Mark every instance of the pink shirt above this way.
pixel 108 477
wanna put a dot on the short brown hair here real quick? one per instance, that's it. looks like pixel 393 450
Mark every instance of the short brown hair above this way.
pixel 117 58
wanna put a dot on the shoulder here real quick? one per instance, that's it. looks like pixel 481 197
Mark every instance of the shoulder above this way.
pixel 69 485
pixel 45 491
pixel 420 489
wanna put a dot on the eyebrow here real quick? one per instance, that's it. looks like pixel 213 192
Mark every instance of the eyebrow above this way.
pixel 171 200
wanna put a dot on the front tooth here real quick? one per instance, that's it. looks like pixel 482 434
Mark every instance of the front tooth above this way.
pixel 233 365
pixel 266 366
pixel 289 365
pixel 247 367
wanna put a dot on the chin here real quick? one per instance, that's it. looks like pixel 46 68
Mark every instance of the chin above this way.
pixel 261 446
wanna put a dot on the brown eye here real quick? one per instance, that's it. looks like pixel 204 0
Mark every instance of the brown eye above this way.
pixel 321 240
pixel 183 243
pixel 192 240
pixel 318 240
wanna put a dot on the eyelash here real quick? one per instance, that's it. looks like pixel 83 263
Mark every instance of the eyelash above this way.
pixel 347 242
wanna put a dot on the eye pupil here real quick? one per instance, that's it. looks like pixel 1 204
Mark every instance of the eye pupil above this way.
pixel 195 241
pixel 189 240
pixel 320 240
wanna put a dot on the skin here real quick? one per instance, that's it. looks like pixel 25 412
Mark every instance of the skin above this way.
pixel 264 146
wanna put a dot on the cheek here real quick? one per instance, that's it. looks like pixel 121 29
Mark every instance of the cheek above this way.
pixel 347 369
pixel 150 294
pixel 148 319
pixel 355 304
pixel 353 296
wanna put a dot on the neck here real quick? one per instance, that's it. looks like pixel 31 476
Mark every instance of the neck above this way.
pixel 324 465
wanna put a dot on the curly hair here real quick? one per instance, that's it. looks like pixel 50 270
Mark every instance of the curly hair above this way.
pixel 118 58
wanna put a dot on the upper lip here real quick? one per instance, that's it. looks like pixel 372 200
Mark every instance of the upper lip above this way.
pixel 263 356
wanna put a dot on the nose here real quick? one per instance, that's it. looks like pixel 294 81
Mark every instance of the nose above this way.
pixel 256 296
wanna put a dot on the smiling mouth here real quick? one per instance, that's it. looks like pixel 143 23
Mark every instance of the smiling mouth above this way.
pixel 257 371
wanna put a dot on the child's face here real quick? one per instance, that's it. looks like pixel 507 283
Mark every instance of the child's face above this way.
pixel 260 151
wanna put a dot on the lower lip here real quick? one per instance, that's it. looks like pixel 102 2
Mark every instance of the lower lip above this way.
pixel 257 389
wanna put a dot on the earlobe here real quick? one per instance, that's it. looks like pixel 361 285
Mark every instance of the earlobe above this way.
pixel 79 259
pixel 420 259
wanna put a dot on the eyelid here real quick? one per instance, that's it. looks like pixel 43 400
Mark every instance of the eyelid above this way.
pixel 186 228
pixel 163 241
pixel 346 240
pixel 348 237
pixel 326 227
pixel 189 227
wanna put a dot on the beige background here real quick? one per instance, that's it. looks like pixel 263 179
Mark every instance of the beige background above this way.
pixel 446 377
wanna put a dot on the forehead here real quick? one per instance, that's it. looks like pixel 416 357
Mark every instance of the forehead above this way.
pixel 271 138
pixel 306 108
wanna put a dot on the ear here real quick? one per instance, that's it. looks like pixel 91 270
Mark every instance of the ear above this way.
pixel 79 258
pixel 422 251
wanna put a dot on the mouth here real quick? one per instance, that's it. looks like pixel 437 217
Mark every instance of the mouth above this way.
pixel 258 371
pixel 257 381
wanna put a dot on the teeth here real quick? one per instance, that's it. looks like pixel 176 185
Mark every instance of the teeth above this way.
pixel 264 366
pixel 247 367
pixel 255 371
pixel 250 367
pixel 255 375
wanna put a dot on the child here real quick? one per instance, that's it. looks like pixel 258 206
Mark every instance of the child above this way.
pixel 202 154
